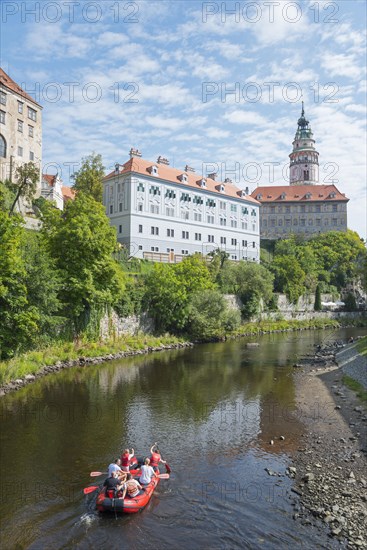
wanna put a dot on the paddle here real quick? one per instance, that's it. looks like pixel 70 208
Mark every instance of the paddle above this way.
pixel 163 476
pixel 88 490
pixel 168 469
pixel 95 474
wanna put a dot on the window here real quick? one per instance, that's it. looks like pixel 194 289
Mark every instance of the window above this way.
pixel 170 211
pixel 310 222
pixel 154 248
pixel 185 215
pixel 287 209
pixel 334 221
pixel 210 238
pixel 140 247
pixel 154 190
pixel 140 207
pixel 253 244
pixel 335 208
pixel 233 223
pixel 233 208
pixel 185 234
pixel 210 219
pixel 222 205
pixel 210 203
pixel 244 225
pixel 120 229
pixel 154 209
pixel 244 244
pixel 20 126
pixel 288 222
pixel 272 209
pixel 170 232
pixel 302 223
pixel 2 147
pixel 20 151
pixel 111 208
pixel 185 197
pixel 317 208
pixel 318 221
pixel 30 131
pixel 31 155
pixel 223 221
pixel 170 194
pixel 253 212
pixel 154 231
pixel 234 242
pixel 185 252
pixel 197 236
pixel 197 217
pixel 280 223
pixel 32 114
pixel 295 221
pixel 197 200
pixel 223 240
pixel 140 187
pixel 245 211
pixel 120 206
pixel 272 223
pixel 140 229
pixel 253 227
pixel 20 107
pixel 2 117
pixel 3 98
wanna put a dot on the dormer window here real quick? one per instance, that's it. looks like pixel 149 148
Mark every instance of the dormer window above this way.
pixel 203 182
pixel 308 195
pixel 332 195
pixel 153 170
pixel 183 178
pixel 116 168
pixel 222 188
pixel 259 197
pixel 282 196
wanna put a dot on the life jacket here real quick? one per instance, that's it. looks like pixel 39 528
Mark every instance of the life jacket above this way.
pixel 125 460
pixel 132 489
pixel 154 459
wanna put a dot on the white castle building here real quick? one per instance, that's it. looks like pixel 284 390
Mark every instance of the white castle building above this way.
pixel 163 214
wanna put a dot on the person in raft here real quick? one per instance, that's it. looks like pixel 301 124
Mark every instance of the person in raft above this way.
pixel 116 467
pixel 155 457
pixel 112 482
pixel 125 459
pixel 147 473
pixel 131 487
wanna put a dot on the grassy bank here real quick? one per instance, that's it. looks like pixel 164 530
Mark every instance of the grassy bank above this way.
pixel 356 387
pixel 33 361
pixel 362 346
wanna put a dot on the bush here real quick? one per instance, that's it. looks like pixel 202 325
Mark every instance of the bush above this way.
pixel 209 315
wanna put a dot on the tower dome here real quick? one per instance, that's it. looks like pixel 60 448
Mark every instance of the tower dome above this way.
pixel 304 159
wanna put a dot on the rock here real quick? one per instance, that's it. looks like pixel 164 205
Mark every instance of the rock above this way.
pixel 29 377
pixel 271 442
pixel 308 477
pixel 252 345
pixel 336 532
pixel 352 476
pixel 282 438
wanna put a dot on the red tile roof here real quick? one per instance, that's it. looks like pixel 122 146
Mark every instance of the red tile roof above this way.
pixel 68 193
pixel 297 193
pixel 49 179
pixel 9 83
pixel 167 173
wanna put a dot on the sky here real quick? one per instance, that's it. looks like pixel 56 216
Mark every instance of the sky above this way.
pixel 215 85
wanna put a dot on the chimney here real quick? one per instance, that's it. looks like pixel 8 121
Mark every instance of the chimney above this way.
pixel 228 180
pixel 189 169
pixel 212 176
pixel 246 191
pixel 162 160
pixel 134 153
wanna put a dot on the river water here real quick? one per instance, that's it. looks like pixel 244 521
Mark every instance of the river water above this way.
pixel 213 409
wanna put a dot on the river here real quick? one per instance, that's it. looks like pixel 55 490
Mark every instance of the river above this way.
pixel 213 409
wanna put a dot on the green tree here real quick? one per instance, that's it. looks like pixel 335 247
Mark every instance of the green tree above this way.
pixel 289 277
pixel 210 316
pixel 18 320
pixel 168 291
pixel 88 178
pixel 26 177
pixel 251 282
pixel 350 303
pixel 81 241
pixel 7 195
pixel 219 259
pixel 317 306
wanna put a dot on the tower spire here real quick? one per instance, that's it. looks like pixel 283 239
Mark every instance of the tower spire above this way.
pixel 304 165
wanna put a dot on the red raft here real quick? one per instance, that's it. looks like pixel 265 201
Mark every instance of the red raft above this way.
pixel 128 505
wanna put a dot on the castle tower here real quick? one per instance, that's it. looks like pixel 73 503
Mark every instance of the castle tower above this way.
pixel 304 159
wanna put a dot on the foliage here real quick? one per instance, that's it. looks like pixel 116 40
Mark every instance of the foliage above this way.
pixel 81 242
pixel 210 316
pixel 219 259
pixel 250 281
pixel 168 290
pixel 18 319
pixel 131 301
pixel 7 195
pixel 355 386
pixel 88 178
pixel 317 306
pixel 350 302
pixel 26 177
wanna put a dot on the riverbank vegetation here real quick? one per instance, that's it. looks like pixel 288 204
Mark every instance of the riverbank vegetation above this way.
pixel 57 283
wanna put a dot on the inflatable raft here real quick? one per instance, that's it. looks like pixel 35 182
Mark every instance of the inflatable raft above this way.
pixel 108 502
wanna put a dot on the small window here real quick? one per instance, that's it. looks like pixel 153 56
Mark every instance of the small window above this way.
pixel 210 238
pixel 3 98
pixel 140 207
pixel 140 247
pixel 30 131
pixel 111 208
pixel 2 147
pixel 20 107
pixel 20 126
pixel 120 206
pixel 223 240
pixel 31 155
pixel 2 117
pixel 197 236
pixel 234 242
pixel 120 229
pixel 32 114
pixel 140 229
pixel 20 151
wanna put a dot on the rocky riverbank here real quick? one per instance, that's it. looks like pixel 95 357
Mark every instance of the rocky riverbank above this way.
pixel 19 383
pixel 330 467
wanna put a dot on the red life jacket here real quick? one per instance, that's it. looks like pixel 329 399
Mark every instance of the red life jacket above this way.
pixel 125 460
pixel 154 459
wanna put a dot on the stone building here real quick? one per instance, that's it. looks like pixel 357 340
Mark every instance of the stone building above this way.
pixel 20 130
pixel 163 213
pixel 304 207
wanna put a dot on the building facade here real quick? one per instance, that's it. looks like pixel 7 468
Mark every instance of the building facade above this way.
pixel 303 207
pixel 20 129
pixel 51 190
pixel 164 214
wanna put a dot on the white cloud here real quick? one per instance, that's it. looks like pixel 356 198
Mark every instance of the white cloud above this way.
pixel 245 117
pixel 341 65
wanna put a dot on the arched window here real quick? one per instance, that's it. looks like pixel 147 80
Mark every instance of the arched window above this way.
pixel 2 147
